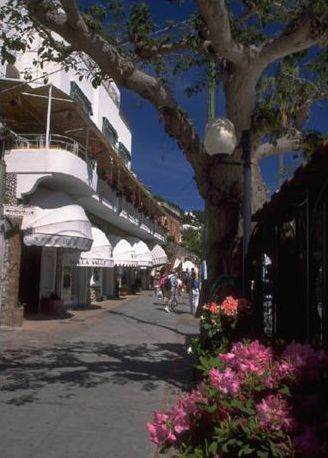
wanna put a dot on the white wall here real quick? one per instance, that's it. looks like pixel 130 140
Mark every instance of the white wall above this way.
pixel 33 164
pixel 102 102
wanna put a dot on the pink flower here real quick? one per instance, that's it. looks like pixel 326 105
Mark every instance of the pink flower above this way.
pixel 229 306
pixel 160 430
pixel 214 308
pixel 192 402
pixel 281 370
pixel 249 357
pixel 226 381
pixel 180 419
pixel 275 414
pixel 305 359
pixel 167 427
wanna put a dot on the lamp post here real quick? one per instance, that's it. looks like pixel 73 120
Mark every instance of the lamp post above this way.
pixel 220 139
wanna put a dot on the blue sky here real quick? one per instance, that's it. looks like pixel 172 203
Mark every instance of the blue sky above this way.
pixel 157 159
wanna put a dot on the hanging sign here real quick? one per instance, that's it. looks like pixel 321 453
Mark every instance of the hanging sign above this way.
pixel 17 211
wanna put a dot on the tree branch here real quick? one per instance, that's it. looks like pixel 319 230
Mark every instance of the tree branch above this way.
pixel 216 17
pixel 295 38
pixel 71 10
pixel 123 71
pixel 147 51
pixel 283 145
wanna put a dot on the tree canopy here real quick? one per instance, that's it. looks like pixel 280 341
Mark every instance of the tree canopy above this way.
pixel 269 58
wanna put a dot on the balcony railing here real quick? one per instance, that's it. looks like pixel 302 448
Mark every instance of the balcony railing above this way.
pixel 128 211
pixel 55 141
pixel 146 224
pixel 105 191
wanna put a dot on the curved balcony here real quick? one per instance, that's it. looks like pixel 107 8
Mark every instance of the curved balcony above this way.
pixel 62 163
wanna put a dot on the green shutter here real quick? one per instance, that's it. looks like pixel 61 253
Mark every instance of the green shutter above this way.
pixel 124 153
pixel 109 132
pixel 78 95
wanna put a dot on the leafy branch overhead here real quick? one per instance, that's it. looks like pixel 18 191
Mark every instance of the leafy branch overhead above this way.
pixel 270 56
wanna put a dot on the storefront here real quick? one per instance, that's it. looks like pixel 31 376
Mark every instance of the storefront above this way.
pixel 56 227
pixel 91 271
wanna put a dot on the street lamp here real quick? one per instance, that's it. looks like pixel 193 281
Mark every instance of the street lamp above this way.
pixel 221 139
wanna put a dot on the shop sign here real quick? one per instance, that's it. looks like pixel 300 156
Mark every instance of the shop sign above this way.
pixel 96 262
pixel 17 211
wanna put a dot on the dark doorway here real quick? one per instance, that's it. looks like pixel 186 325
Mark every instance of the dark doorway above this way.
pixel 29 281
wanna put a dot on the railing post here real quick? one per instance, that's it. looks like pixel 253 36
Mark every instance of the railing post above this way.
pixel 48 117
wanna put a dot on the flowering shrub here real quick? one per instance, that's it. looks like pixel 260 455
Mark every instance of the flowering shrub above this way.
pixel 218 325
pixel 248 405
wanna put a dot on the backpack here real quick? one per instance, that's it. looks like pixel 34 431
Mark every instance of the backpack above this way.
pixel 167 284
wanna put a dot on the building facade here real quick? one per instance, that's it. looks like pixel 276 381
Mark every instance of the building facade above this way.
pixel 172 221
pixel 77 222
pixel 289 256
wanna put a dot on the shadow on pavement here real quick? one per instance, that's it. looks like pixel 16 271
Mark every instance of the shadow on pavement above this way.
pixel 154 323
pixel 89 364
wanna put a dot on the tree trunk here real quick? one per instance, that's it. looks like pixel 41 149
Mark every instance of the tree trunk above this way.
pixel 223 252
pixel 12 271
pixel 223 215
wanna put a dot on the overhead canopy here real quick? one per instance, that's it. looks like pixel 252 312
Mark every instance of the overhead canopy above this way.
pixel 158 255
pixel 101 252
pixel 143 254
pixel 123 253
pixel 56 222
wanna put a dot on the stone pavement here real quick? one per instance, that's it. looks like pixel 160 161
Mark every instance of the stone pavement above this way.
pixel 84 387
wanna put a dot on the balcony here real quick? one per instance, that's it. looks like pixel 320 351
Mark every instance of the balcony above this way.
pixel 160 233
pixel 63 163
pixel 146 224
pixel 129 212
pixel 108 196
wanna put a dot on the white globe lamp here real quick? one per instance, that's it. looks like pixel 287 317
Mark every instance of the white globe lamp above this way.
pixel 220 137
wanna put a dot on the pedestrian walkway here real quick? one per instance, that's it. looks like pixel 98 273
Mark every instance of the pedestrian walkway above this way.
pixel 84 387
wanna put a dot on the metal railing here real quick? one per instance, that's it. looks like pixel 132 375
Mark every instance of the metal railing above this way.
pixel 130 211
pixel 55 141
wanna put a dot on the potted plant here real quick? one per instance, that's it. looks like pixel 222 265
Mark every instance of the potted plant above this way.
pixel 52 305
pixel 124 290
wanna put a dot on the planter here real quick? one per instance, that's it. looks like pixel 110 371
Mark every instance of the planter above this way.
pixel 52 307
pixel 123 293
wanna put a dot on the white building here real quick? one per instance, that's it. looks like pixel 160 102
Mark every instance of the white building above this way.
pixel 87 223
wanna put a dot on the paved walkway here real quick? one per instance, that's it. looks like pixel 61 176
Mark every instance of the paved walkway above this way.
pixel 84 387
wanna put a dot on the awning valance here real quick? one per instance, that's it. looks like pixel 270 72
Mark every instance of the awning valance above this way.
pixel 101 252
pixel 159 256
pixel 143 254
pixel 56 222
pixel 123 252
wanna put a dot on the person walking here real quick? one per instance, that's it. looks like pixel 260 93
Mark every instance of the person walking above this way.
pixel 173 291
pixel 163 280
pixel 194 294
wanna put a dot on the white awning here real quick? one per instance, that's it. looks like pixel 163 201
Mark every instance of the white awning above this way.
pixel 159 256
pixel 143 254
pixel 177 263
pixel 56 222
pixel 101 252
pixel 188 265
pixel 123 252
